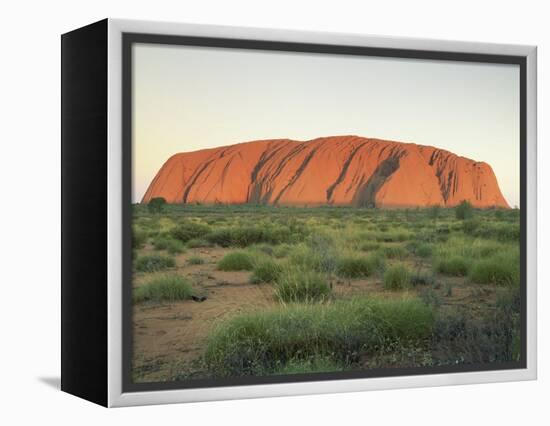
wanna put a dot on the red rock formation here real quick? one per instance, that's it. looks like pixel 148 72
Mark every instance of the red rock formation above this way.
pixel 338 170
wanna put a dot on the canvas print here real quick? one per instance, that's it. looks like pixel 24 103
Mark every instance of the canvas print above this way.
pixel 296 214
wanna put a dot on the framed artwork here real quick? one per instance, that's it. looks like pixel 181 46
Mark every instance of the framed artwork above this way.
pixel 251 212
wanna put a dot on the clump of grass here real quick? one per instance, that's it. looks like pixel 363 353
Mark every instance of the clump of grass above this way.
pixel 422 278
pixel 500 270
pixel 464 210
pixel 357 266
pixel 264 248
pixel 236 261
pixel 394 252
pixel 153 263
pixel 198 243
pixel 397 278
pixel 265 271
pixel 394 236
pixel 320 364
pixel 430 297
pixel 369 246
pixel 244 236
pixel 196 260
pixel 139 238
pixel 455 266
pixel 281 250
pixel 298 284
pixel 189 230
pixel 424 250
pixel 264 342
pixel 169 288
pixel 162 242
pixel 318 254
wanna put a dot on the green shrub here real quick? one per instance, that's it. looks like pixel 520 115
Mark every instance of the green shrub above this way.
pixel 297 284
pixel 434 212
pixel 464 210
pixel 266 341
pixel 222 237
pixel 265 271
pixel 369 246
pixel 421 278
pixel 281 250
pixel 189 230
pixel 424 250
pixel 455 266
pixel 500 231
pixel 236 261
pixel 492 337
pixel 153 263
pixel 319 257
pixel 430 297
pixel 357 266
pixel 162 242
pixel 195 260
pixel 198 243
pixel 310 365
pixel 394 252
pixel 139 238
pixel 156 205
pixel 394 236
pixel 500 269
pixel 471 226
pixel 397 277
pixel 169 288
pixel 244 236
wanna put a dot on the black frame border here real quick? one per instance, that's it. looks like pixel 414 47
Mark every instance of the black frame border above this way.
pixel 129 39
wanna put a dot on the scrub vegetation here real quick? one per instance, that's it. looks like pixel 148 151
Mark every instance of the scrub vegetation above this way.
pixel 225 291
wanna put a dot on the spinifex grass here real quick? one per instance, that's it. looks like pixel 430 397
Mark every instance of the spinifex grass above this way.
pixel 261 342
pixel 168 288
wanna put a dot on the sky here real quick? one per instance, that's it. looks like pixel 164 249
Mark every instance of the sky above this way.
pixel 189 98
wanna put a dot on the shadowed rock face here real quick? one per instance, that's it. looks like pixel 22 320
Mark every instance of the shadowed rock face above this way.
pixel 337 170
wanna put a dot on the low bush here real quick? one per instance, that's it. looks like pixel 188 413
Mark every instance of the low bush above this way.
pixel 424 250
pixel 198 243
pixel 139 238
pixel 394 252
pixel 464 210
pixel 281 250
pixel 297 284
pixel 265 271
pixel 196 260
pixel 369 246
pixel 169 244
pixel 306 366
pixel 189 230
pixel 430 297
pixel 394 236
pixel 397 277
pixel 236 261
pixel 501 269
pixel 153 263
pixel 169 288
pixel 266 341
pixel 422 278
pixel 492 337
pixel 244 236
pixel 455 266
pixel 357 266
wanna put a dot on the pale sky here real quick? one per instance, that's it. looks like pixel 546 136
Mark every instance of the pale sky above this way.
pixel 190 98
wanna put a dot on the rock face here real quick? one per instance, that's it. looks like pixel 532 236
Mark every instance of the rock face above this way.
pixel 337 170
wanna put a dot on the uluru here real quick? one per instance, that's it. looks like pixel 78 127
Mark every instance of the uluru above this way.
pixel 335 170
